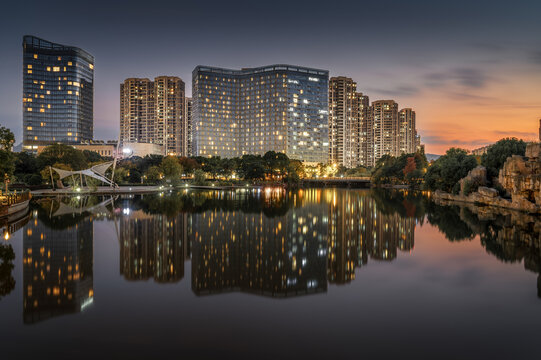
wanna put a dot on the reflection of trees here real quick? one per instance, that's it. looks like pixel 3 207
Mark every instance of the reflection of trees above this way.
pixel 508 235
pixel 246 201
pixel 7 282
pixel 448 221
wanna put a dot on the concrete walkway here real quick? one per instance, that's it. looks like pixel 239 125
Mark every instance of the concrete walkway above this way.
pixel 106 190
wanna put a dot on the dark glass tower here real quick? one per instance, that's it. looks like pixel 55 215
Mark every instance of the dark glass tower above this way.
pixel 58 93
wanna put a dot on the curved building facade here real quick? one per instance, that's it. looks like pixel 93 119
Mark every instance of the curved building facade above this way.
pixel 58 93
pixel 282 108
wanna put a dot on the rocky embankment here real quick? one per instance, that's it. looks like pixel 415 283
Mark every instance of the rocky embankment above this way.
pixel 520 177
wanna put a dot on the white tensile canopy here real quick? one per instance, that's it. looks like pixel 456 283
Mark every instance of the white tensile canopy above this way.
pixel 95 172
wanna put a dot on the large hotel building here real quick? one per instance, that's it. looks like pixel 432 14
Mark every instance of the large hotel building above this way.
pixel 282 108
pixel 58 91
pixel 153 112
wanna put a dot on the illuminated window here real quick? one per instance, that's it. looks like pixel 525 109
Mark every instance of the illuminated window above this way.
pixel 48 68
pixel 30 66
pixel 56 68
pixel 30 71
pixel 91 66
pixel 29 109
pixel 70 63
pixel 42 110
pixel 29 128
pixel 69 134
pixel 35 56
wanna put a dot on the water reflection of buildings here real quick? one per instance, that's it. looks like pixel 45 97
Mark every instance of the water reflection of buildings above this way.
pixel 359 229
pixel 57 269
pixel 153 246
pixel 282 255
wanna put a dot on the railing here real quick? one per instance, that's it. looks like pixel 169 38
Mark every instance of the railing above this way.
pixel 14 198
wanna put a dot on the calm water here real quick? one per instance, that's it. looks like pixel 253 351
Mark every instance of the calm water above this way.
pixel 317 273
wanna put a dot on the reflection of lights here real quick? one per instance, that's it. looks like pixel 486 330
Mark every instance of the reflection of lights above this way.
pixel 212 185
pixel 78 197
pixel 6 236
pixel 126 211
pixel 186 185
pixel 86 303
pixel 78 189
pixel 126 150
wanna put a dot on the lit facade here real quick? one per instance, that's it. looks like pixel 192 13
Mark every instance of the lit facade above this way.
pixel 57 269
pixel 384 128
pixel 188 133
pixel 153 112
pixel 58 93
pixel 407 141
pixel 281 108
pixel 152 246
pixel 348 115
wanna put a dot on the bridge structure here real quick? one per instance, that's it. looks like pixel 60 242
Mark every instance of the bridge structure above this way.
pixel 354 182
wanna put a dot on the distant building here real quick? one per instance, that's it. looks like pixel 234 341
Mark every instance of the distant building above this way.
pixel 141 149
pixel 407 131
pixel 153 112
pixel 58 94
pixel 480 151
pixel 282 108
pixel 107 149
pixel 188 134
pixel 103 148
pixel 348 115
pixel 383 120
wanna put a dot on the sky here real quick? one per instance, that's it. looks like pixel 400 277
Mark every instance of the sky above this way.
pixel 470 69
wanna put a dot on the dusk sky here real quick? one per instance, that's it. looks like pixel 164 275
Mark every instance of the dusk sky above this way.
pixel 470 69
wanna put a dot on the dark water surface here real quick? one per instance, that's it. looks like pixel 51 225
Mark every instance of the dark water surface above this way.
pixel 316 273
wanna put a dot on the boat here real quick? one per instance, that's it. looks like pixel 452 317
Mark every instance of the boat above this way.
pixel 13 203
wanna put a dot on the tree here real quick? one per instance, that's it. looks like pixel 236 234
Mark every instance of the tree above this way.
pixel 295 171
pixel 7 164
pixel 252 167
pixel 445 172
pixel 6 139
pixel 199 177
pixel 153 175
pixel 189 164
pixel 63 154
pixel 498 153
pixel 172 171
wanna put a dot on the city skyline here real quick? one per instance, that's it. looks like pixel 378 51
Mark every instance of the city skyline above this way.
pixel 480 67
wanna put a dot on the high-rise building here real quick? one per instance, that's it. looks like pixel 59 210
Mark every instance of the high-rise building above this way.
pixel 137 110
pixel 153 112
pixel 407 132
pixel 188 127
pixel 58 93
pixel 348 112
pixel 383 123
pixel 169 95
pixel 282 108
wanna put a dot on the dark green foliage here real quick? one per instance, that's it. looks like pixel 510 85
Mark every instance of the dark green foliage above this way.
pixel 199 177
pixel 445 172
pixel 252 167
pixel 405 169
pixel 6 138
pixel 62 154
pixel 7 164
pixel 498 153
